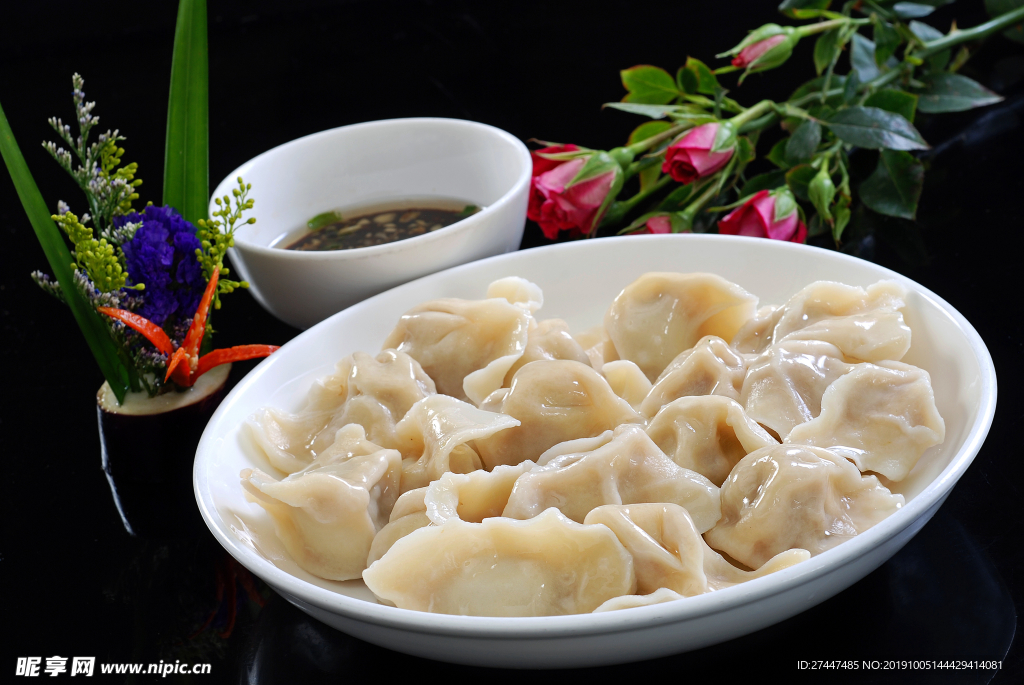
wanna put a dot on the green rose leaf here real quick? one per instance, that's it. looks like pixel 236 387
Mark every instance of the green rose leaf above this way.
pixel 652 111
pixel 862 58
pixel 874 128
pixel 996 8
pixel 825 49
pixel 777 155
pixel 648 85
pixel 912 10
pixel 895 186
pixel 799 178
pixel 851 87
pixel 816 84
pixel 892 100
pixel 821 192
pixel 676 199
pixel 706 83
pixel 797 8
pixel 686 80
pixel 769 181
pixel 925 32
pixel 954 93
pixel 803 143
pixel 887 39
pixel 647 130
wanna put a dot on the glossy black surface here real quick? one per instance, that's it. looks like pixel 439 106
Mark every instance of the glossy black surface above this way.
pixel 75 583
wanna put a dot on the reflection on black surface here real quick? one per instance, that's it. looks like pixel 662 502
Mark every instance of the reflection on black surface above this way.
pixel 940 597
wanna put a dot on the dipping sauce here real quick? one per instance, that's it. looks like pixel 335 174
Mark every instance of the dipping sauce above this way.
pixel 383 224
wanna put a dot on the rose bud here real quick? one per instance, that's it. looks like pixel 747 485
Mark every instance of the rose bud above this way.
pixel 700 152
pixel 572 193
pixel 658 224
pixel 766 215
pixel 765 48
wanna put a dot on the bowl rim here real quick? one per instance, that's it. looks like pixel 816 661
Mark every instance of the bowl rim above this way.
pixel 578 625
pixel 469 223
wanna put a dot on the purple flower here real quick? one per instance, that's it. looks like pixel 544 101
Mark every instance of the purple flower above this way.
pixel 162 254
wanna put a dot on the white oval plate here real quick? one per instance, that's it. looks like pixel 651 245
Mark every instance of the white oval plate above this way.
pixel 579 280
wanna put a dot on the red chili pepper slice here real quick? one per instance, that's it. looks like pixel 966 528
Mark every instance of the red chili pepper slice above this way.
pixel 194 337
pixel 231 354
pixel 174 364
pixel 150 330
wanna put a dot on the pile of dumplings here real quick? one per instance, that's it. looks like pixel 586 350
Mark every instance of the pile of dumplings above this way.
pixel 490 463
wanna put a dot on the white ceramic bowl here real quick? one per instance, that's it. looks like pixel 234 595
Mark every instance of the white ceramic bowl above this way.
pixel 369 164
pixel 579 280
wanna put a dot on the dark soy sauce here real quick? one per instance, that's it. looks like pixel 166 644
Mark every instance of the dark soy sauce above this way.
pixel 386 224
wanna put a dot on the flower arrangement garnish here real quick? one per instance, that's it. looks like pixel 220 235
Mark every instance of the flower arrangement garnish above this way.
pixel 141 284
pixel 687 166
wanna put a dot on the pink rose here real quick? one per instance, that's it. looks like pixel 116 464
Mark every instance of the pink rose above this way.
pixel 691 157
pixel 758 217
pixel 557 204
pixel 752 52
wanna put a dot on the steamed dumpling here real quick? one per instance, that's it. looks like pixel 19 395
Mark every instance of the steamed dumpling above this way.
pixel 623 467
pixel 408 514
pixel 710 367
pixel 795 497
pixel 546 566
pixel 865 324
pixel 598 346
pixel 627 381
pixel 660 315
pixel 517 291
pixel 472 496
pixel 707 434
pixel 434 435
pixel 548 340
pixel 466 346
pixel 784 385
pixel 328 514
pixel 374 392
pixel 555 401
pixel 668 552
pixel 882 417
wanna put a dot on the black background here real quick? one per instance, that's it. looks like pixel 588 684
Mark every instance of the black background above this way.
pixel 74 583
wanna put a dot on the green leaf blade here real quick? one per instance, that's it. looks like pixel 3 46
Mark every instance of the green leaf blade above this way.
pixel 862 58
pixel 895 186
pixel 799 180
pixel 649 85
pixel 803 143
pixel 912 10
pixel 876 129
pixel 954 93
pixel 766 181
pixel 186 153
pixel 652 111
pixel 892 100
pixel 57 254
pixel 825 50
